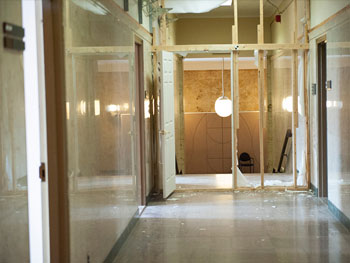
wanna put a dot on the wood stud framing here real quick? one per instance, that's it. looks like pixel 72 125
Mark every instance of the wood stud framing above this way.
pixel 227 48
pixel 234 95
pixel 233 49
pixel 306 94
pixel 295 94
pixel 261 82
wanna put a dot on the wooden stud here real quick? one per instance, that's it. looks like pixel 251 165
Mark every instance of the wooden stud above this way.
pixel 235 13
pixel 238 189
pixel 99 50
pixel 236 89
pixel 154 37
pixel 234 95
pixel 261 26
pixel 227 48
pixel 261 81
pixel 235 68
pixel 295 94
pixel 295 110
pixel 234 35
pixel 233 122
pixel 163 26
pixel 295 21
pixel 306 110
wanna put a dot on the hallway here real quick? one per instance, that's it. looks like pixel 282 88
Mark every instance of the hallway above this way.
pixel 260 226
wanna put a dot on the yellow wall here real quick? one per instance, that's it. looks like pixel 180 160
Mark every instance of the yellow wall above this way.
pixel 217 31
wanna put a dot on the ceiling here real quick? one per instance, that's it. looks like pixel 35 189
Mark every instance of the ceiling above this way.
pixel 246 8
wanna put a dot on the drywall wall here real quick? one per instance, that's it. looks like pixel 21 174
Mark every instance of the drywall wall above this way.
pixel 320 10
pixel 337 32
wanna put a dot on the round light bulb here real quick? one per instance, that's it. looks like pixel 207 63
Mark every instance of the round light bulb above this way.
pixel 287 104
pixel 223 106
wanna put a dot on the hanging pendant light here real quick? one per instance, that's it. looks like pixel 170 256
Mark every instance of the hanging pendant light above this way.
pixel 223 105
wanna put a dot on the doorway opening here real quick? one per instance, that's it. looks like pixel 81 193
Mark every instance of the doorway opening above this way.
pixel 322 117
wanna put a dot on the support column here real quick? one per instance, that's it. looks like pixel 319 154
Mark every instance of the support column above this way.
pixel 261 83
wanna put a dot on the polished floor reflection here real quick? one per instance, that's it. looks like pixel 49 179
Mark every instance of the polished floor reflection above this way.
pixel 260 226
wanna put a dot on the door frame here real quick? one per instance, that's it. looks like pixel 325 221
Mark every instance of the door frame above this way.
pixel 140 120
pixel 322 116
pixel 54 60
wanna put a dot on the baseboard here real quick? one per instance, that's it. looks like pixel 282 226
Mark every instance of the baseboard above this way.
pixel 121 240
pixel 339 215
pixel 314 189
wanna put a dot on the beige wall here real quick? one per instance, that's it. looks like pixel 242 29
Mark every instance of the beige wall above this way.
pixel 218 31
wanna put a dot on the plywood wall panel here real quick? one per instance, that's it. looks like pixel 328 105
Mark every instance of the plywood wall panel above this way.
pixel 203 87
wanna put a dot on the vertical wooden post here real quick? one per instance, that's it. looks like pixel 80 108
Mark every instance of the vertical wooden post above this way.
pixel 261 112
pixel 163 37
pixel 233 123
pixel 306 109
pixel 261 83
pixel 295 111
pixel 234 94
pixel 235 13
pixel 295 94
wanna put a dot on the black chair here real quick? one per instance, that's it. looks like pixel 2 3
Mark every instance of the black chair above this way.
pixel 246 161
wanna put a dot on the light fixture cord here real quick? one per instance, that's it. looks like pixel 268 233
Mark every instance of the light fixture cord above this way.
pixel 223 89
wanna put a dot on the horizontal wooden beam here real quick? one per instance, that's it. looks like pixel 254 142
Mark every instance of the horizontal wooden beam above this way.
pixel 244 189
pixel 227 48
pixel 100 50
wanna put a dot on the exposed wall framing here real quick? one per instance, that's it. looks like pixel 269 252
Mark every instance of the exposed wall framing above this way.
pixel 234 49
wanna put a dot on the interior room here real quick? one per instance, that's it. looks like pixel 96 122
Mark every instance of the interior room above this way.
pixel 174 131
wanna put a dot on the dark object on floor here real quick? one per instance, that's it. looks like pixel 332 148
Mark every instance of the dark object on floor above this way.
pixel 246 161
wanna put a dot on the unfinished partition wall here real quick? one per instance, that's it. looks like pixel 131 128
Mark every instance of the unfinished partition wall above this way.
pixel 293 48
pixel 102 135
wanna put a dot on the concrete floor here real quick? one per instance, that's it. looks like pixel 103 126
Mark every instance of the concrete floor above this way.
pixel 260 226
